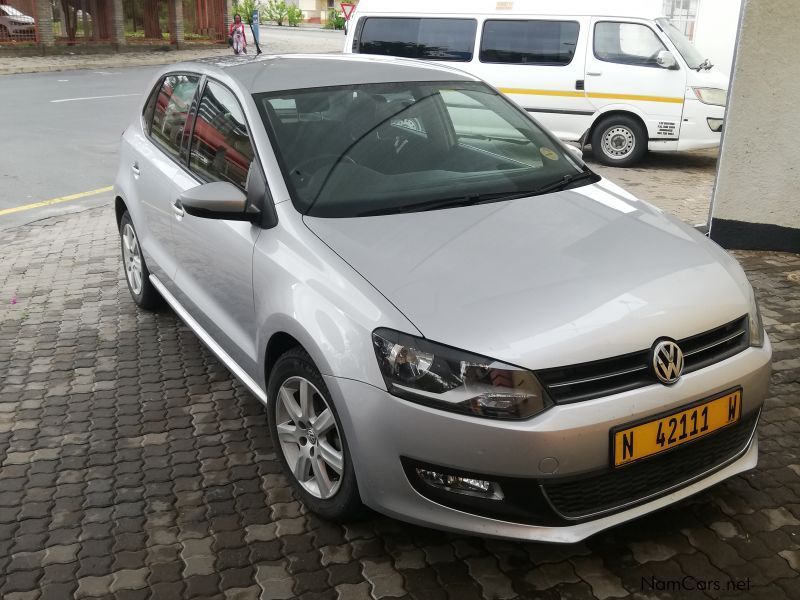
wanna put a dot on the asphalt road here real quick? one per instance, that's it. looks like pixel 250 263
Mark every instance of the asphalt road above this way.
pixel 59 135
pixel 59 132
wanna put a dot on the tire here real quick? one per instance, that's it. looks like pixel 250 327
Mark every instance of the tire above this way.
pixel 137 274
pixel 310 456
pixel 619 141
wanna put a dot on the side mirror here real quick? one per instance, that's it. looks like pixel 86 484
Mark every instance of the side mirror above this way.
pixel 218 200
pixel 666 60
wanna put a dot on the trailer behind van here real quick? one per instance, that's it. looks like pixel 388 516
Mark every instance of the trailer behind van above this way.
pixel 623 80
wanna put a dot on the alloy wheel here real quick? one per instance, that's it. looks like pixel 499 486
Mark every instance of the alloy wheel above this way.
pixel 309 437
pixel 132 258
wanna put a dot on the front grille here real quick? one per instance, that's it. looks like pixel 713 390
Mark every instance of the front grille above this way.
pixel 630 371
pixel 613 489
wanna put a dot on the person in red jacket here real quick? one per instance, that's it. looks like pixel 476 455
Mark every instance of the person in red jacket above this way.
pixel 236 33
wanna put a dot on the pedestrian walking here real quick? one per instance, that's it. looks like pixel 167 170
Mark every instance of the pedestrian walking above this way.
pixel 236 35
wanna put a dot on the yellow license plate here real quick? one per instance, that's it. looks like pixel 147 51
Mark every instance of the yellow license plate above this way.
pixel 646 439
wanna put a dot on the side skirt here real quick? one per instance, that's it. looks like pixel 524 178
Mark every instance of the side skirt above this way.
pixel 223 356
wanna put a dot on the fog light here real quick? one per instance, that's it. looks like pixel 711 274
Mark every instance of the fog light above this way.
pixel 461 485
pixel 715 124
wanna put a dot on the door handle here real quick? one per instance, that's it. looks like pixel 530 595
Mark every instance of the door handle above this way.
pixel 594 73
pixel 177 209
pixel 135 169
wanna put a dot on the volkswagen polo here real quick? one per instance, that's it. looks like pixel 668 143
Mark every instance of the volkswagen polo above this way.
pixel 448 316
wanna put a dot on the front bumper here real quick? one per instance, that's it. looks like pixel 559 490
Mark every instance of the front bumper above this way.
pixel 563 443
pixel 696 131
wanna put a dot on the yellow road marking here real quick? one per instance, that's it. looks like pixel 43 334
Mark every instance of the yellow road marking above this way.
pixel 577 94
pixel 8 211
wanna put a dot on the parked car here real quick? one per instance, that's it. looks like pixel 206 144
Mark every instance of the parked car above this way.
pixel 15 25
pixel 622 78
pixel 448 316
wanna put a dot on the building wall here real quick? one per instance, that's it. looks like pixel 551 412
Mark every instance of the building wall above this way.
pixel 715 31
pixel 756 203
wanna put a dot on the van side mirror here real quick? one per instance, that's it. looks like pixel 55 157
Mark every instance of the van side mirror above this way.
pixel 666 60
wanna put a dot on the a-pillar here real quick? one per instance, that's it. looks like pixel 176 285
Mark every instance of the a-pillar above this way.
pixel 756 204
pixel 44 23
pixel 176 28
pixel 117 23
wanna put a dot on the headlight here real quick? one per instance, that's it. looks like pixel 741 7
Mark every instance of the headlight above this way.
pixel 449 379
pixel 714 96
pixel 754 323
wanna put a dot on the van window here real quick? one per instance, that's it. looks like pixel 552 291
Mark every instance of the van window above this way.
pixel 627 43
pixel 431 39
pixel 529 42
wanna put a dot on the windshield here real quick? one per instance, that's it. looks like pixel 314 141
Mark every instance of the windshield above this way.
pixel 394 147
pixel 11 12
pixel 688 51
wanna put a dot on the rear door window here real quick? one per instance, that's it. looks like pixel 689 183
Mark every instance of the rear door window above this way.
pixel 431 39
pixel 627 43
pixel 221 149
pixel 170 109
pixel 529 42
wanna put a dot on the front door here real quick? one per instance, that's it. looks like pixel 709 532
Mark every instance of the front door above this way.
pixel 622 74
pixel 214 277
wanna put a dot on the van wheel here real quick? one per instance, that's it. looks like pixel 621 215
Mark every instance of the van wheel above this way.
pixel 309 439
pixel 619 141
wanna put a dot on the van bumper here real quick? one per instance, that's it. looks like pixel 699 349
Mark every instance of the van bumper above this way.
pixel 696 130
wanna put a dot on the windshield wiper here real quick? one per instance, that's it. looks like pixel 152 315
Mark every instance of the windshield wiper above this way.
pixel 705 65
pixel 566 181
pixel 442 203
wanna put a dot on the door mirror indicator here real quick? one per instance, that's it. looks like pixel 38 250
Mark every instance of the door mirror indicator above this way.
pixel 218 200
pixel 666 60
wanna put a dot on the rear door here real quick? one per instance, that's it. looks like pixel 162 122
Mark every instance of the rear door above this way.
pixel 539 63
pixel 154 158
pixel 622 73
pixel 214 277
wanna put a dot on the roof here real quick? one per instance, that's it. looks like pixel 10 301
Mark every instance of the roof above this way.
pixel 646 9
pixel 270 73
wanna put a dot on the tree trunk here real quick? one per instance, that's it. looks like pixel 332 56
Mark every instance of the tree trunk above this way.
pixel 152 25
pixel 71 20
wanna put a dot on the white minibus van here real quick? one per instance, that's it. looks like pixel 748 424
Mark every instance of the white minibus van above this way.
pixel 609 74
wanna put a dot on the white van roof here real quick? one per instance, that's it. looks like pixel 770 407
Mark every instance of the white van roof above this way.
pixel 643 9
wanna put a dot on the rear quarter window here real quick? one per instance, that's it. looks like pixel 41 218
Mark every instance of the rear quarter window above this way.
pixel 169 107
pixel 424 38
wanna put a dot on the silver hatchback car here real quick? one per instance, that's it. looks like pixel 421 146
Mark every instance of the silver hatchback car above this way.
pixel 449 317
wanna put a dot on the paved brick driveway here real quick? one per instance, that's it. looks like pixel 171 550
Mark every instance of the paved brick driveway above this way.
pixel 133 466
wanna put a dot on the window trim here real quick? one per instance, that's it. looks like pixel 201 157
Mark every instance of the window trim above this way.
pixel 538 64
pixel 622 62
pixel 146 127
pixel 362 24
pixel 194 113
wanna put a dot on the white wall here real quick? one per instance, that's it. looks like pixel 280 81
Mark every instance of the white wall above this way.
pixel 715 31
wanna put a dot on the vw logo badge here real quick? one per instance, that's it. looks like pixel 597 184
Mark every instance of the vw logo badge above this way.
pixel 667 361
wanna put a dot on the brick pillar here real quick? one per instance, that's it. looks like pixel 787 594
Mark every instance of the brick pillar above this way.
pixel 44 23
pixel 176 33
pixel 117 23
pixel 227 17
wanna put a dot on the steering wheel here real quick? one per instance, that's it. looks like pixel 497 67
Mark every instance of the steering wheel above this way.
pixel 320 160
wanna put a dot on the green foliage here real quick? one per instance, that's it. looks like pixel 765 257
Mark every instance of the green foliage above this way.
pixel 245 8
pixel 294 16
pixel 276 11
pixel 336 20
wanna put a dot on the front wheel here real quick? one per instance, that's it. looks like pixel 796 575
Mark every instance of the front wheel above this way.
pixel 309 439
pixel 619 141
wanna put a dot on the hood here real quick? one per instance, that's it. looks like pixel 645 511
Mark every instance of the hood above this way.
pixel 545 281
pixel 711 78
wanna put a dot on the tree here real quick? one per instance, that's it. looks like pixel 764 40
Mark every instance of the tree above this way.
pixel 152 21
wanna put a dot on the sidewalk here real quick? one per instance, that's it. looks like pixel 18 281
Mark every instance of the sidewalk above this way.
pixel 274 40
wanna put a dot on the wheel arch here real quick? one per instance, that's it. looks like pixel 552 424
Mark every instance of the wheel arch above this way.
pixel 119 209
